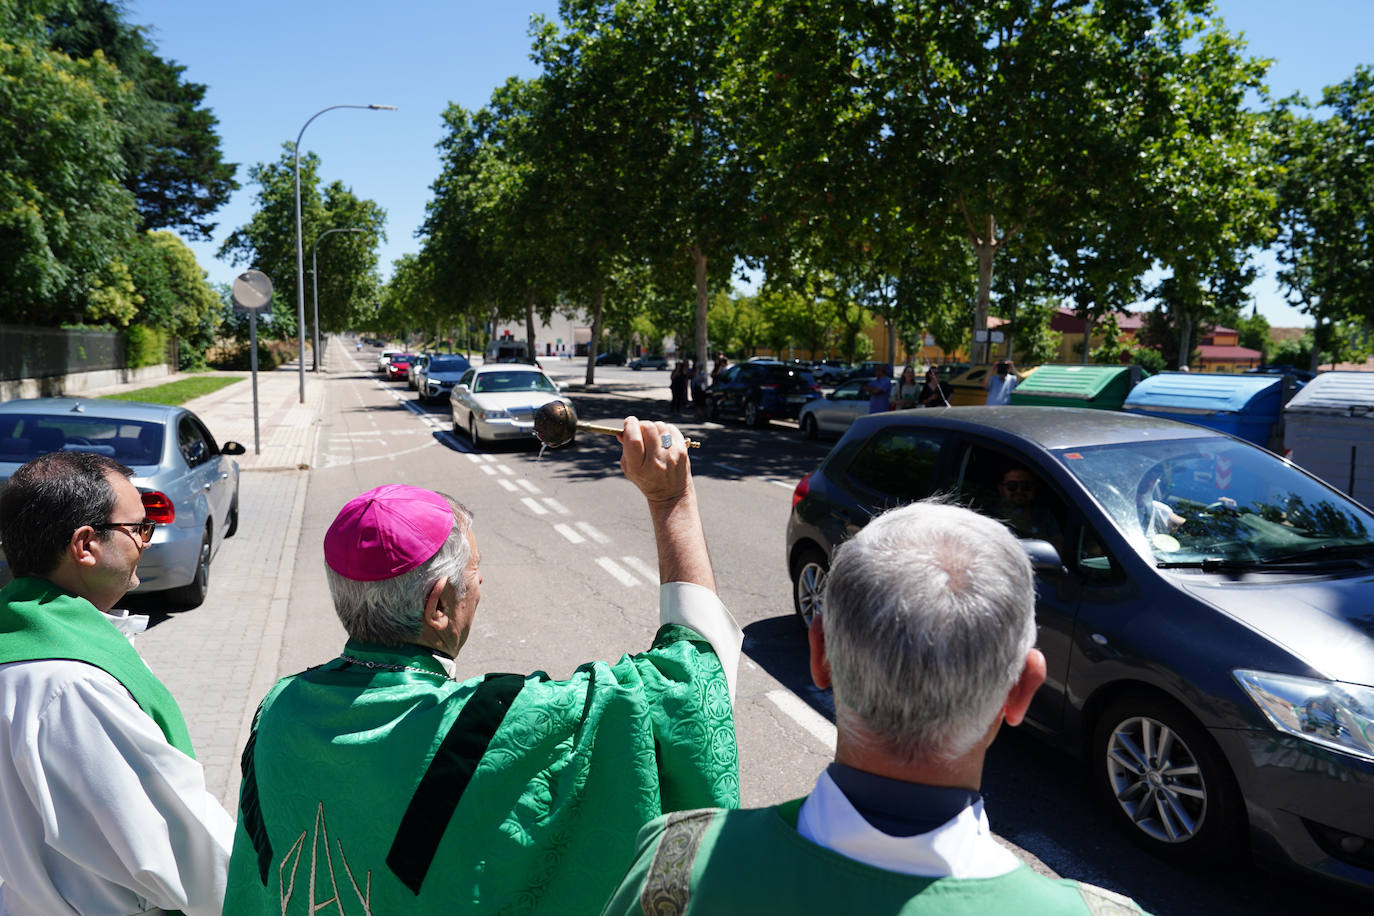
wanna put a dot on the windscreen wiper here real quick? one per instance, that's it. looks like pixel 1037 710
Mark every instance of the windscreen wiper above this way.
pixel 1324 552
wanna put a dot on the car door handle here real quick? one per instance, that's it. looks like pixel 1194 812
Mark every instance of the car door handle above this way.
pixel 207 486
pixel 224 476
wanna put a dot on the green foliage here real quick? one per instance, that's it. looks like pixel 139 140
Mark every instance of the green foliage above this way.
pixel 172 162
pixel 1032 340
pixel 144 346
pixel 1325 196
pixel 347 262
pixel 1152 361
pixel 1253 332
pixel 64 217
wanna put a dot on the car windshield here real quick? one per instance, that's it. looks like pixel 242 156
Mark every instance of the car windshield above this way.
pixel 1216 501
pixel 513 381
pixel 447 364
pixel 24 437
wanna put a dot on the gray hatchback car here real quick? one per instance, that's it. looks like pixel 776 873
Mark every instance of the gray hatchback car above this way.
pixel 189 484
pixel 1206 610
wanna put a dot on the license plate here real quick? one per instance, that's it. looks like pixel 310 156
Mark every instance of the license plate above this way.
pixel 796 399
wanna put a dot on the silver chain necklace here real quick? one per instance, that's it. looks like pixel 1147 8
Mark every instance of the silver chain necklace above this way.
pixel 386 666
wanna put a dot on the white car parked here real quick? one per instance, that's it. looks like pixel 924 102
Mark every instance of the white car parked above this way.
pixel 498 401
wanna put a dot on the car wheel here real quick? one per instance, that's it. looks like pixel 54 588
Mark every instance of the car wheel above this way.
pixel 751 415
pixel 1165 781
pixel 193 595
pixel 808 427
pixel 233 517
pixel 808 584
pixel 472 433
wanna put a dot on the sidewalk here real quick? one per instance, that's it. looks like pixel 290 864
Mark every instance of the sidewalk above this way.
pixel 221 658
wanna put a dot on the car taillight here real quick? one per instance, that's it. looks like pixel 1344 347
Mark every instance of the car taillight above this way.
pixel 803 487
pixel 158 508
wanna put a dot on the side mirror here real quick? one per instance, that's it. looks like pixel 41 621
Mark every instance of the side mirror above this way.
pixel 1043 557
pixel 232 448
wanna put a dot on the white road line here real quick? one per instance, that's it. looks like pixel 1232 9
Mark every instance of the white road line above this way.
pixel 556 506
pixel 567 532
pixel 505 469
pixel 728 467
pixel 527 485
pixel 489 457
pixel 506 485
pixel 784 484
pixel 805 716
pixel 474 458
pixel 639 566
pixel 489 471
pixel 592 533
pixel 533 506
pixel 618 573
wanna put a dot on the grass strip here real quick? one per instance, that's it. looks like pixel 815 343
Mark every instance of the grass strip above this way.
pixel 178 392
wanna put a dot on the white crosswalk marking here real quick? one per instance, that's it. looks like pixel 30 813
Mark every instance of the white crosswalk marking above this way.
pixel 639 566
pixel 507 485
pixel 527 485
pixel 567 532
pixel 533 505
pixel 591 532
pixel 556 506
pixel 505 469
pixel 805 716
pixel 617 572
pixel 488 470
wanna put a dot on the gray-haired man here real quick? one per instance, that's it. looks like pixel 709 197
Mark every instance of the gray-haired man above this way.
pixel 928 640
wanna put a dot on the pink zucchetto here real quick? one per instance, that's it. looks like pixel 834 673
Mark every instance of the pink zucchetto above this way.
pixel 386 532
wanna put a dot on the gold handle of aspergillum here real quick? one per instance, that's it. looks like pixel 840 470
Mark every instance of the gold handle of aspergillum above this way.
pixel 617 430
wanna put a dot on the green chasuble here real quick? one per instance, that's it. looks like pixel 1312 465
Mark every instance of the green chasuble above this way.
pixel 379 786
pixel 711 862
pixel 39 621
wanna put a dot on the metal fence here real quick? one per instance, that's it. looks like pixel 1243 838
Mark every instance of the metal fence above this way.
pixel 27 352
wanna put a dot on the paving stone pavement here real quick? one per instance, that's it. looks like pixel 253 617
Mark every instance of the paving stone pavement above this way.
pixel 221 658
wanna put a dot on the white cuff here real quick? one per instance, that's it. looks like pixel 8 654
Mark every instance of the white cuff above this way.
pixel 699 608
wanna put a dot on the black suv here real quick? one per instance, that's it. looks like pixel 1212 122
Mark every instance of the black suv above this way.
pixel 760 392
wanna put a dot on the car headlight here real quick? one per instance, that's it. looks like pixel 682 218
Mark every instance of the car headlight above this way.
pixel 1330 713
pixel 495 413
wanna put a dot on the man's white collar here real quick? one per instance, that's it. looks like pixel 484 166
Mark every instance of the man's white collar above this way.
pixel 962 847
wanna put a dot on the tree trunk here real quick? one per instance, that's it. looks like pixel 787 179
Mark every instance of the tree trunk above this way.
pixel 985 249
pixel 598 302
pixel 1088 325
pixel 1185 337
pixel 529 324
pixel 703 303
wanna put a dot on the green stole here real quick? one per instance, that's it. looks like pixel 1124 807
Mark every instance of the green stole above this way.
pixel 379 785
pixel 40 621
pixel 695 863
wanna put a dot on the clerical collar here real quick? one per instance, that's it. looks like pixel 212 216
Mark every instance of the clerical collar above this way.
pixel 899 808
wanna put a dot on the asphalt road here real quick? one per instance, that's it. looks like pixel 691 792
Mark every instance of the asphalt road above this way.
pixel 570 575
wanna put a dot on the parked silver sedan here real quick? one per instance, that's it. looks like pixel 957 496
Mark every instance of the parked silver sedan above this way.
pixel 498 401
pixel 833 414
pixel 189 484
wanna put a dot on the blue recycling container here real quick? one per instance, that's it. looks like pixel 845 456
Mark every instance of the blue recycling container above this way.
pixel 1248 406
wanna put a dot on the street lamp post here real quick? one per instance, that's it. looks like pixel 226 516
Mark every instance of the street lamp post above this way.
pixel 300 248
pixel 315 291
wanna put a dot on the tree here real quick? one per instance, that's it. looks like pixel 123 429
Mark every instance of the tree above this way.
pixel 173 164
pixel 268 243
pixel 65 221
pixel 173 294
pixel 1325 195
pixel 655 71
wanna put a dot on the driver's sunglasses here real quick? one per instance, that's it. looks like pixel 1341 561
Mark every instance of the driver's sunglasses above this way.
pixel 1012 486
pixel 143 530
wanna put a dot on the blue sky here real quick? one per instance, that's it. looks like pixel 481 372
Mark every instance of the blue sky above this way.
pixel 270 66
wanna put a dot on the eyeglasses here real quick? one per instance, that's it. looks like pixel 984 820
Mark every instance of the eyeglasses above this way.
pixel 142 530
pixel 1026 486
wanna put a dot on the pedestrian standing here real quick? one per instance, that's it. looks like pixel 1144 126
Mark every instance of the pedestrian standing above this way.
pixel 1001 384
pixel 879 390
pixel 677 388
pixel 103 807
pixel 383 781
